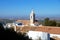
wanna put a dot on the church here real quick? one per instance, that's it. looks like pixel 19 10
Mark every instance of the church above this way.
pixel 31 22
pixel 32 26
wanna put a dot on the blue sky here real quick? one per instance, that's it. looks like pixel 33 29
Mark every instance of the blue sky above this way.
pixel 22 8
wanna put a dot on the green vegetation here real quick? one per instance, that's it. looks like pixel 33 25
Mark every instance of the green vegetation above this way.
pixel 58 24
pixel 48 22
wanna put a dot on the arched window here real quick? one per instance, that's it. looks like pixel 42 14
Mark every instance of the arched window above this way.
pixel 31 16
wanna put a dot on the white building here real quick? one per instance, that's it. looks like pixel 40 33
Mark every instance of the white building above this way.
pixel 36 35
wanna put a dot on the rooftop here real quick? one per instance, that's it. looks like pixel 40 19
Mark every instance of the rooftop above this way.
pixel 49 29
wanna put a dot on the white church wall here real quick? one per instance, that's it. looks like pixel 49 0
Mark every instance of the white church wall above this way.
pixel 35 35
pixel 32 25
pixel 8 25
pixel 55 35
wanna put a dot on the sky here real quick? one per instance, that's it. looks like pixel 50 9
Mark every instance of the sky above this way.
pixel 23 8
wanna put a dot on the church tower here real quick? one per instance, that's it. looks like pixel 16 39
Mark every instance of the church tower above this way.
pixel 32 17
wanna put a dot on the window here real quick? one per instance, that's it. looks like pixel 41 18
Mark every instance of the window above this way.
pixel 31 16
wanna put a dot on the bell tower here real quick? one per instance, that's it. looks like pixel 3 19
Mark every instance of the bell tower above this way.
pixel 32 17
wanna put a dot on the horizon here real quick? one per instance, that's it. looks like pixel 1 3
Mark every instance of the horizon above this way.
pixel 22 8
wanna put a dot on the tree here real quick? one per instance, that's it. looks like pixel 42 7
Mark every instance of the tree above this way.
pixel 48 22
pixel 1 27
pixel 9 34
pixel 52 23
pixel 58 24
pixel 46 19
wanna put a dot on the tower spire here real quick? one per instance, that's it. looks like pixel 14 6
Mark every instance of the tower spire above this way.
pixel 32 12
pixel 32 17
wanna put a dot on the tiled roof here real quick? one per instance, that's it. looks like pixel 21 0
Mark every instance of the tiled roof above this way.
pixel 49 29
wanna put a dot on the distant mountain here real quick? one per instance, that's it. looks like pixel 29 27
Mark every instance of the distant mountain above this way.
pixel 26 18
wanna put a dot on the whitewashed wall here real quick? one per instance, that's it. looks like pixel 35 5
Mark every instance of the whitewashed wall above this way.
pixel 35 35
pixel 56 35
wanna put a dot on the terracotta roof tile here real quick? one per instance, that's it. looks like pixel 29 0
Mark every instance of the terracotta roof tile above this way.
pixel 52 30
pixel 49 29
